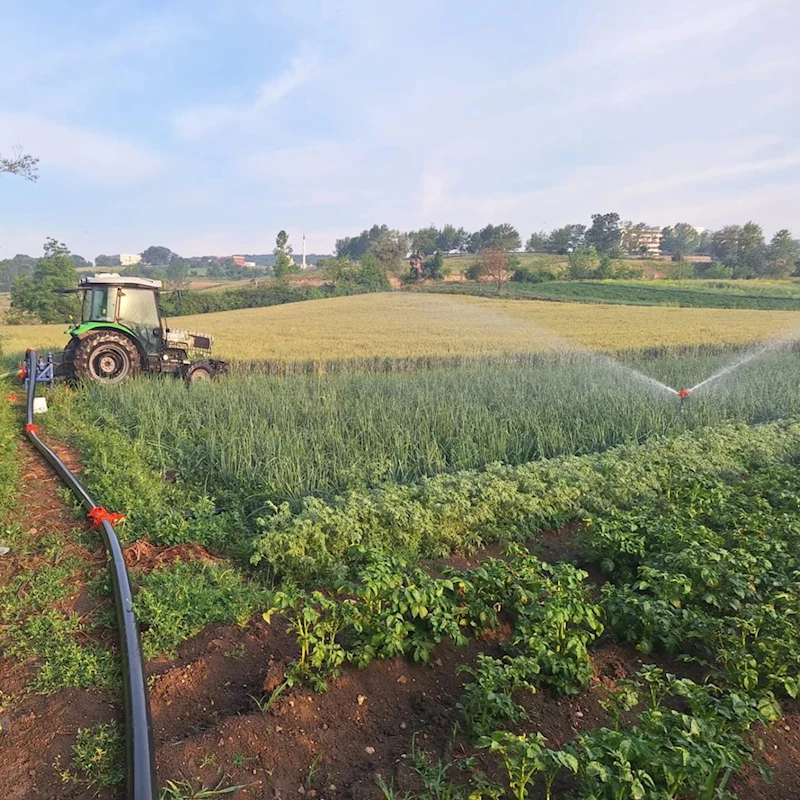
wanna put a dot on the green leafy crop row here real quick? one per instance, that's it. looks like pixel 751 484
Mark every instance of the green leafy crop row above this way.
pixel 686 741
pixel 711 569
pixel 388 607
pixel 465 510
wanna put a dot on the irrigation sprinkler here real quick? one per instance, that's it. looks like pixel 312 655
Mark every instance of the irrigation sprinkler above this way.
pixel 683 394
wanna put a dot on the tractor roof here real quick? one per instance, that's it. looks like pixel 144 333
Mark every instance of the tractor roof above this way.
pixel 113 279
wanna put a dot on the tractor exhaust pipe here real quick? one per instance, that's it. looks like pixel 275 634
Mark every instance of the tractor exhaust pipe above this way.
pixel 139 752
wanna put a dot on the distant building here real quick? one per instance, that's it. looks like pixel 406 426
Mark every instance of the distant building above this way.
pixel 651 239
pixel 249 263
pixel 238 260
pixel 127 259
pixel 648 239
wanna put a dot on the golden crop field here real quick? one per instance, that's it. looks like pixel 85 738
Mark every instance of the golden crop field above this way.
pixel 409 325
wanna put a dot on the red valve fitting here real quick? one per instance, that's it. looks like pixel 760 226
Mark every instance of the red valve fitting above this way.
pixel 32 427
pixel 684 393
pixel 98 515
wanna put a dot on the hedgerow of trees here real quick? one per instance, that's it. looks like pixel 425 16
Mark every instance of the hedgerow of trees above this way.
pixel 366 261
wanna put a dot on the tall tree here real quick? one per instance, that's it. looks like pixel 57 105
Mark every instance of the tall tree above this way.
pixel 177 271
pixel 157 256
pixel 752 251
pixel 425 241
pixel 504 236
pixel 12 267
pixel 783 255
pixel 22 164
pixel 632 239
pixel 538 242
pixel 494 265
pixel 725 245
pixel 679 240
pixel 284 263
pixel 391 249
pixel 356 247
pixel 703 246
pixel 566 240
pixel 451 238
pixel 605 233
pixel 37 295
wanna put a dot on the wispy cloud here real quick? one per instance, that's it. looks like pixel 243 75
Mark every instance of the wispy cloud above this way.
pixel 193 123
pixel 83 153
pixel 85 50
pixel 624 40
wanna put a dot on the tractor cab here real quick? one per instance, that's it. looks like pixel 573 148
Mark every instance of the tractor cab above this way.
pixel 123 332
pixel 130 303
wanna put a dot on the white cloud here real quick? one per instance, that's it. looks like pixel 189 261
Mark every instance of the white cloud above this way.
pixel 87 154
pixel 192 123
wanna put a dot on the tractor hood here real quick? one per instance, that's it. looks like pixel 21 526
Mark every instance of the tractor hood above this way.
pixel 196 344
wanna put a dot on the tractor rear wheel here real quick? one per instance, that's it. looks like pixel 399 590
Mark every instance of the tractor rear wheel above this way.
pixel 106 357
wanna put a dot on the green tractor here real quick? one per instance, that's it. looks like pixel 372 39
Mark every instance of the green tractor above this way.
pixel 123 332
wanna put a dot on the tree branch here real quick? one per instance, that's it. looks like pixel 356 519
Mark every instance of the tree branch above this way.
pixel 22 164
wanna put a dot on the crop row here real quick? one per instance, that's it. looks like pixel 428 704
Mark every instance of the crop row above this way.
pixel 259 440
pixel 671 737
pixel 700 542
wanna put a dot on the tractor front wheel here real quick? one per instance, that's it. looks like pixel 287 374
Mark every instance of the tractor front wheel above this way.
pixel 200 371
pixel 106 357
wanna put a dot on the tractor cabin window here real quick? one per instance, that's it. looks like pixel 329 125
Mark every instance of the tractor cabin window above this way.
pixel 138 307
pixel 98 304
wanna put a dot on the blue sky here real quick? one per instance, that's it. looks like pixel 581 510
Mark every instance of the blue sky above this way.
pixel 208 125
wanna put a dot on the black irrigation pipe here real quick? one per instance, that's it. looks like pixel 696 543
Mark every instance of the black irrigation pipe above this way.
pixel 139 734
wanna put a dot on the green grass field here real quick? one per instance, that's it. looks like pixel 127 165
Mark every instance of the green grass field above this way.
pixel 764 295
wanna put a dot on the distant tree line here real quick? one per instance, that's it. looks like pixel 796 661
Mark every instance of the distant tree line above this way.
pixel 365 262
pixel 737 251
pixel 34 295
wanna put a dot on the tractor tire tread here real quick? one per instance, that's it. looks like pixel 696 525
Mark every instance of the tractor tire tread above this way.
pixel 83 353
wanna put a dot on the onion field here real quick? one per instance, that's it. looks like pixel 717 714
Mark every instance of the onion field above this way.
pixel 259 439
